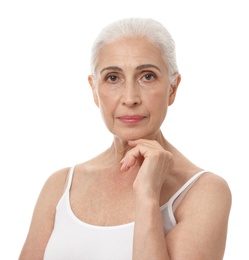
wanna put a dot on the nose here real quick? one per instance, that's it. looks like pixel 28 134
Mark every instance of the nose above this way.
pixel 131 95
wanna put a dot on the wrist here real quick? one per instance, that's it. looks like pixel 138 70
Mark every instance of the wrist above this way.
pixel 147 200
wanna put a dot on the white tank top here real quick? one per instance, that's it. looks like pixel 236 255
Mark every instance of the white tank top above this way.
pixel 73 239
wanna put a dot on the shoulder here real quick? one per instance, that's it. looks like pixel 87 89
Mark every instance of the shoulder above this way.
pixel 43 216
pixel 53 188
pixel 202 218
pixel 52 191
pixel 212 185
pixel 208 203
pixel 210 189
pixel 56 182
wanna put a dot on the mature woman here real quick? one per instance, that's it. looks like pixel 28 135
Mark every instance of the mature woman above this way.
pixel 141 198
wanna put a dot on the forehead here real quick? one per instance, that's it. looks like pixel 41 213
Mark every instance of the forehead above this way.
pixel 130 53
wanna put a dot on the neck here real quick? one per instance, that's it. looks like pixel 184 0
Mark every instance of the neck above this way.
pixel 119 147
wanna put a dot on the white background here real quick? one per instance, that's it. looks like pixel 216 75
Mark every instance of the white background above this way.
pixel 49 121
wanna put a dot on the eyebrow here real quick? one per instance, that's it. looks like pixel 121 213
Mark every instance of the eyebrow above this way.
pixel 147 66
pixel 140 67
pixel 115 68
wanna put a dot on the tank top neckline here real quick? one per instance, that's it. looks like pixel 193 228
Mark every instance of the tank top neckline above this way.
pixel 169 203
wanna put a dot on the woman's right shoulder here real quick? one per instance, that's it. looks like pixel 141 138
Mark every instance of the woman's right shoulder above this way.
pixel 58 176
pixel 56 182
pixel 44 214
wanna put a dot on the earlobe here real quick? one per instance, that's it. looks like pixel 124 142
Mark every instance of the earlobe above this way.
pixel 91 83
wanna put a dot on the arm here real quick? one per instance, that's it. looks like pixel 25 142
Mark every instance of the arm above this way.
pixel 42 222
pixel 202 216
pixel 202 221
pixel 149 239
pixel 201 229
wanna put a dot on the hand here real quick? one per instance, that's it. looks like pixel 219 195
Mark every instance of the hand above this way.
pixel 155 162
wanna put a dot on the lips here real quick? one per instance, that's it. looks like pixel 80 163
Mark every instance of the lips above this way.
pixel 131 119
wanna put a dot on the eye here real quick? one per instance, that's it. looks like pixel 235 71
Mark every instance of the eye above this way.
pixel 111 78
pixel 149 76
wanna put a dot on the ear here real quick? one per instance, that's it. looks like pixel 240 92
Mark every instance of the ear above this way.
pixel 173 89
pixel 93 87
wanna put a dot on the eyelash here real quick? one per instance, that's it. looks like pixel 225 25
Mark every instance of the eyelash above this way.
pixel 150 75
pixel 112 78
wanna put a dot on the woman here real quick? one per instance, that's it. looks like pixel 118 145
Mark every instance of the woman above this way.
pixel 141 198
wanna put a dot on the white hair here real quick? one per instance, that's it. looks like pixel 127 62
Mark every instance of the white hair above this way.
pixel 149 28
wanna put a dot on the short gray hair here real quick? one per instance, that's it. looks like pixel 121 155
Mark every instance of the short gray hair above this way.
pixel 149 28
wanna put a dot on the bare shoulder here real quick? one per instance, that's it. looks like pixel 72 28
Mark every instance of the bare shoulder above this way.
pixel 53 188
pixel 43 216
pixel 56 182
pixel 213 180
pixel 213 186
pixel 202 220
pixel 210 189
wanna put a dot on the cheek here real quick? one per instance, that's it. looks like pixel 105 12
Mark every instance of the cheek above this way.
pixel 158 100
pixel 106 103
pixel 102 97
pixel 158 105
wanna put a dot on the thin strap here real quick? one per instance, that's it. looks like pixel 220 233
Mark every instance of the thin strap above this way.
pixel 184 189
pixel 69 178
pixel 67 186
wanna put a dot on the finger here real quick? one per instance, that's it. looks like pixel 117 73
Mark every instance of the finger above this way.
pixel 139 141
pixel 127 162
pixel 133 156
pixel 145 143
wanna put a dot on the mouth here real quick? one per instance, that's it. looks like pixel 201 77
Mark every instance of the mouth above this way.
pixel 131 119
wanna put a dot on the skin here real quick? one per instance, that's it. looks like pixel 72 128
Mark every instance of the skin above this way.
pixel 141 169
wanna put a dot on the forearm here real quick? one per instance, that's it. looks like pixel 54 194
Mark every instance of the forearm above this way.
pixel 149 241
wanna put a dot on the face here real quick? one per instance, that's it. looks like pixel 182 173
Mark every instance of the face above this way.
pixel 132 89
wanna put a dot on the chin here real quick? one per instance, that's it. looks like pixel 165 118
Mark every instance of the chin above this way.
pixel 135 136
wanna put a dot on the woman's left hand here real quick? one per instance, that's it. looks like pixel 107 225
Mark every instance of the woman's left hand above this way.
pixel 155 162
